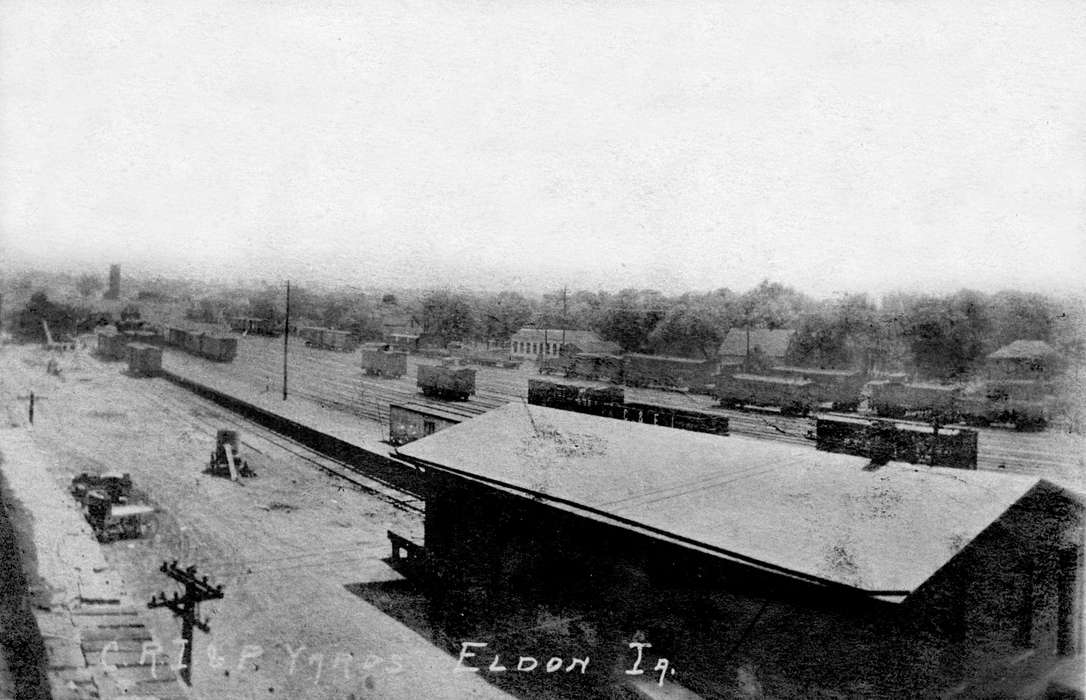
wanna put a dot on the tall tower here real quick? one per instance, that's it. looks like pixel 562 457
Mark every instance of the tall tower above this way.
pixel 114 290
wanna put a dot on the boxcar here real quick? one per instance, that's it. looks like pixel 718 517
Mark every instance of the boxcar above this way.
pixel 882 440
pixel 177 337
pixel 144 360
pixel 1025 404
pixel 583 398
pixel 596 367
pixel 678 418
pixel 112 345
pixel 897 399
pixel 411 421
pixel 446 382
pixel 383 361
pixel 219 348
pixel 840 387
pixel 791 396
pixel 666 372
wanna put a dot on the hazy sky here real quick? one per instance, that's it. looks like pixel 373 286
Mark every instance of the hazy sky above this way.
pixel 829 145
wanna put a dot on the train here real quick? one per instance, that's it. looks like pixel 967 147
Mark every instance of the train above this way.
pixel 327 339
pixel 450 383
pixel 218 348
pixel 382 360
pixel 610 402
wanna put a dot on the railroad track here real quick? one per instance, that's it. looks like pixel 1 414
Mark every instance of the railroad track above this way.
pixel 182 405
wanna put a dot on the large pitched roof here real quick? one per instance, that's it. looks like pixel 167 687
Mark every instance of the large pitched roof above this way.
pixel 772 343
pixel 791 509
pixel 1023 349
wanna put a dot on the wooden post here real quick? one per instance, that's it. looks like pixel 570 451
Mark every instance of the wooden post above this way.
pixel 286 342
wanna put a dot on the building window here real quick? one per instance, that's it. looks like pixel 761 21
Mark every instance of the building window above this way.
pixel 429 427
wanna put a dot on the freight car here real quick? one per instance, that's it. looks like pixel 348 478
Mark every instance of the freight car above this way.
pixel 583 398
pixel 839 387
pixel 254 326
pixel 609 401
pixel 382 361
pixel 446 382
pixel 111 345
pixel 679 418
pixel 894 399
pixel 596 367
pixel 411 421
pixel 792 396
pixel 1025 404
pixel 213 347
pixel 144 360
pixel 326 339
pixel 883 441
pixel 667 372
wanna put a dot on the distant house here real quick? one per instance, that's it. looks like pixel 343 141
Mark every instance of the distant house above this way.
pixel 400 324
pixel 770 344
pixel 550 342
pixel 1024 359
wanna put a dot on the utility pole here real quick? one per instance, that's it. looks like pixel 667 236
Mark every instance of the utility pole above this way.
pixel 565 320
pixel 286 342
pixel 187 607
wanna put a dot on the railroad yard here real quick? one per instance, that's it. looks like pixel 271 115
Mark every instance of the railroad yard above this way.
pixel 301 548
pixel 332 379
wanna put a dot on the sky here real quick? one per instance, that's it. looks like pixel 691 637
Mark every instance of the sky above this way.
pixel 832 146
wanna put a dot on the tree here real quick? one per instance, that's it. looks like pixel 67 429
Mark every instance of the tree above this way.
pixel 503 315
pixel 448 315
pixel 629 317
pixel 773 305
pixel 88 284
pixel 689 329
pixel 60 317
pixel 844 334
pixel 947 335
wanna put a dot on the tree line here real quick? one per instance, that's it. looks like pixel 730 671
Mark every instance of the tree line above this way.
pixel 938 336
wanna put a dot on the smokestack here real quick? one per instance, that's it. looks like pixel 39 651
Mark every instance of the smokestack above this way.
pixel 114 291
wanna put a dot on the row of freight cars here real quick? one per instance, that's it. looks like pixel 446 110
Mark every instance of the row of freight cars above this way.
pixel 1023 403
pixel 439 381
pixel 610 402
pixel 634 369
pixel 219 348
pixel 879 440
pixel 144 359
pixel 1026 404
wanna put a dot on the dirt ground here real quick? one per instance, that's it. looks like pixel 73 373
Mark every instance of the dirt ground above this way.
pixel 292 547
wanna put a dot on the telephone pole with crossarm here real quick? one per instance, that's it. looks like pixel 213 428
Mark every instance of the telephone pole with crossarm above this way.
pixel 187 607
